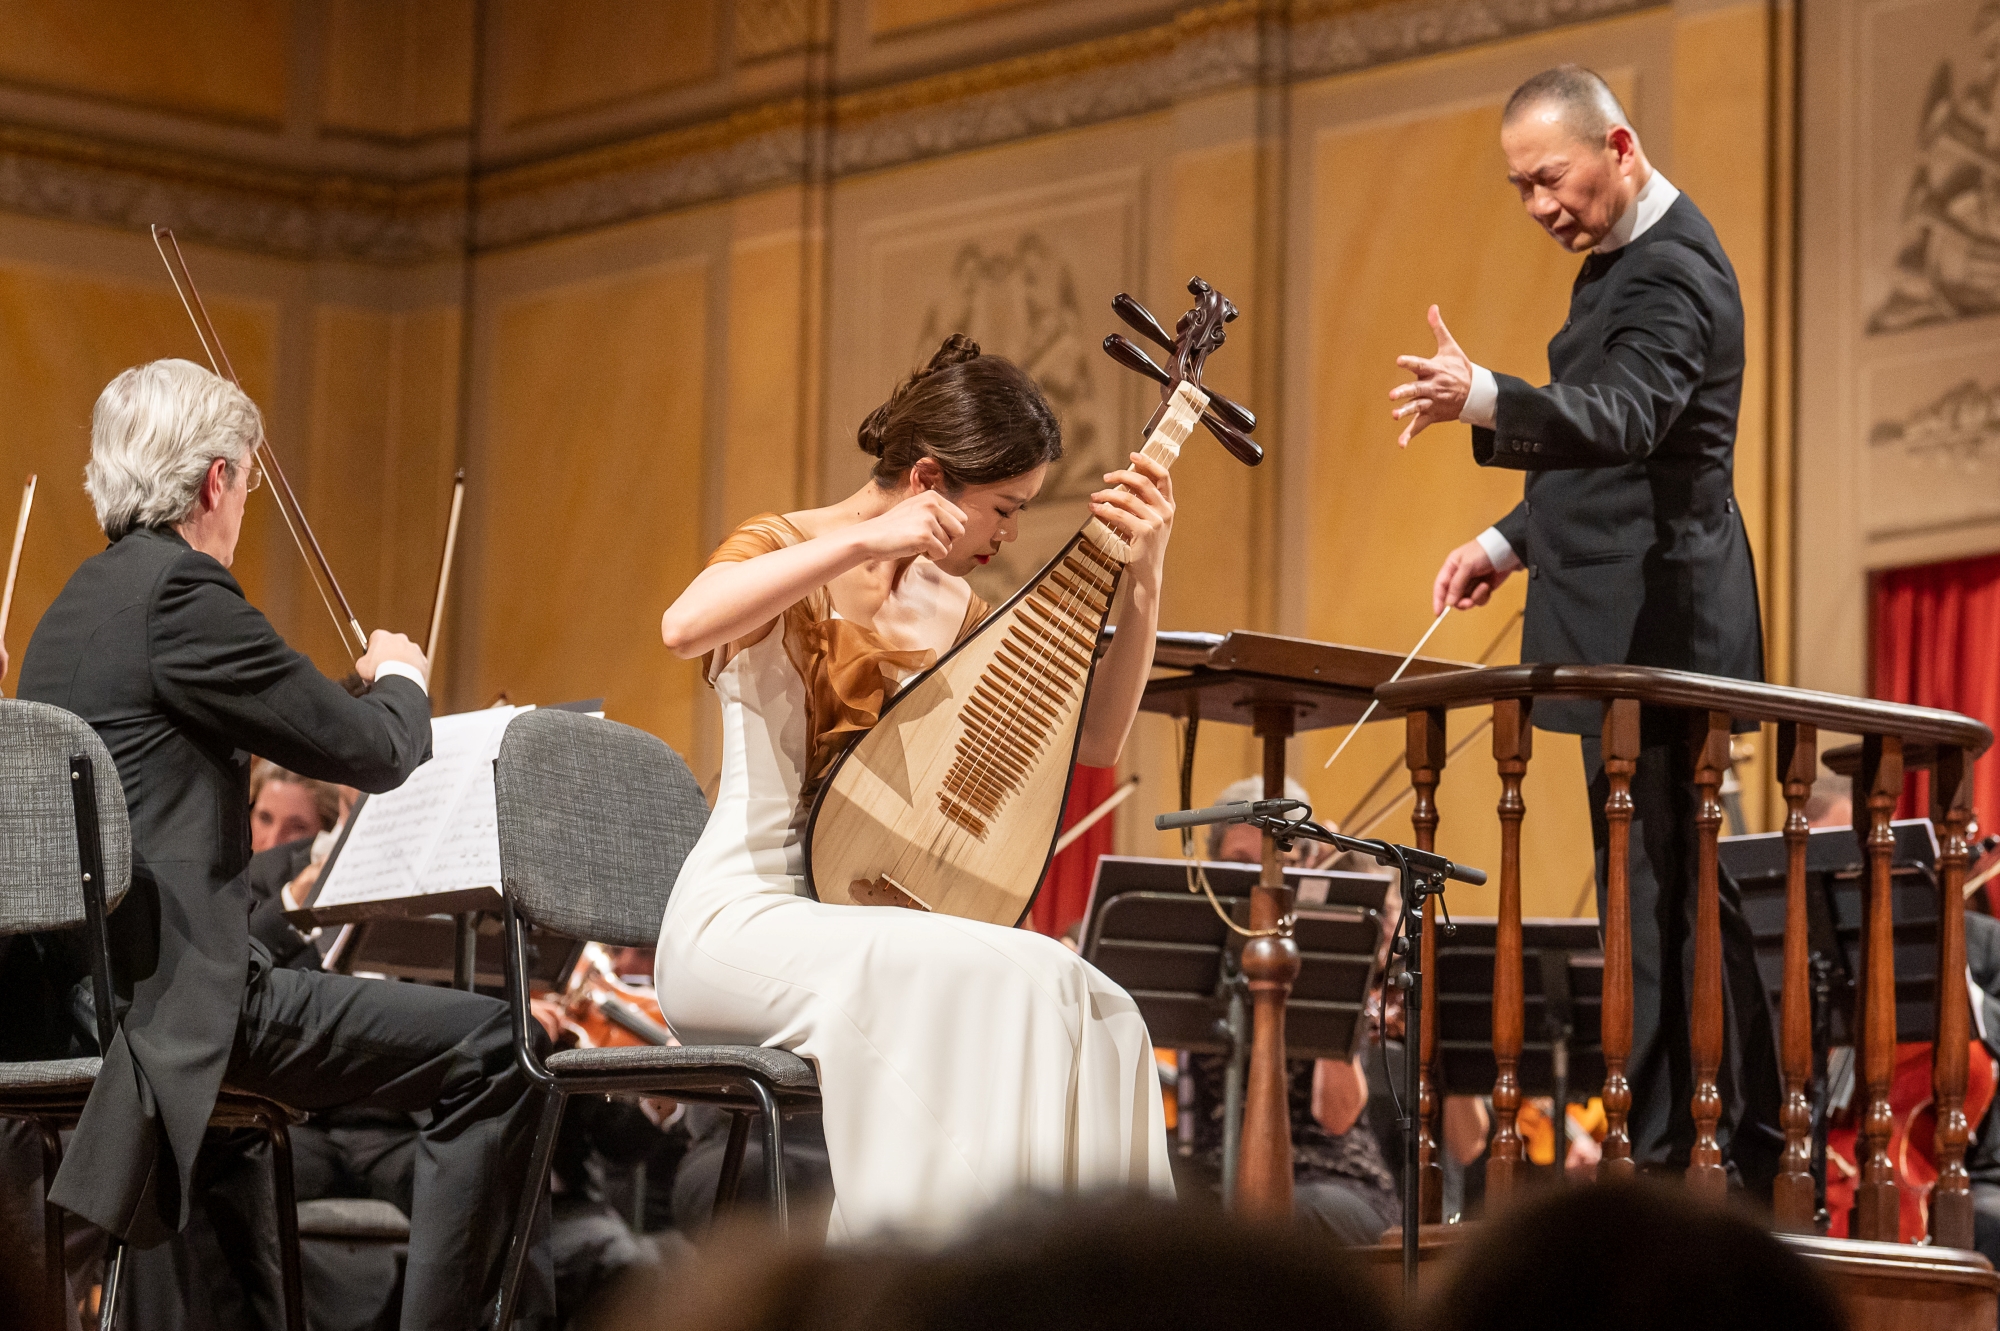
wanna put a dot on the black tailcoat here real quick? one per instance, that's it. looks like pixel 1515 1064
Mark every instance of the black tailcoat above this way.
pixel 1628 524
pixel 153 644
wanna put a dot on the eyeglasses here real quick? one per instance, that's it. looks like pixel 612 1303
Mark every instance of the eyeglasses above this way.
pixel 256 477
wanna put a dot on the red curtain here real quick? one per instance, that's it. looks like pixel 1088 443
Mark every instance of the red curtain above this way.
pixel 1936 631
pixel 1066 887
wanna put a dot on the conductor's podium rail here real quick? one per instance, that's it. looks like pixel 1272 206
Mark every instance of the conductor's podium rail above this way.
pixel 1892 736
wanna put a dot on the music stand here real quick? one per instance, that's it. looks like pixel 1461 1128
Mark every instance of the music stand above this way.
pixel 1562 994
pixel 464 910
pixel 1836 888
pixel 1168 949
pixel 425 947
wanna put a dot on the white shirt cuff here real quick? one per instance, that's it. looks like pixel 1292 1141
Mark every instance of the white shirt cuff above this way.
pixel 414 675
pixel 1482 399
pixel 1499 551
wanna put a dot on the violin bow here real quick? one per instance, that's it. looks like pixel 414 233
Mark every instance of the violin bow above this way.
pixel 344 621
pixel 444 568
pixel 14 560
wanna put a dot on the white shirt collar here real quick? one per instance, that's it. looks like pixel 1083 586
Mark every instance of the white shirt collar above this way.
pixel 1648 206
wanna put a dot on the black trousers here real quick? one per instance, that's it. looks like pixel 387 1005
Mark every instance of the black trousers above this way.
pixel 1662 893
pixel 322 1042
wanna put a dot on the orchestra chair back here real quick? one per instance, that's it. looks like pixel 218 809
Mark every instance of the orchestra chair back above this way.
pixel 595 820
pixel 65 863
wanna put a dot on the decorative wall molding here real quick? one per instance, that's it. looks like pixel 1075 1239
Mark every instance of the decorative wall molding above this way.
pixel 1202 51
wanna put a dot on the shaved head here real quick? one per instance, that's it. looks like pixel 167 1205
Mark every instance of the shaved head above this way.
pixel 1584 103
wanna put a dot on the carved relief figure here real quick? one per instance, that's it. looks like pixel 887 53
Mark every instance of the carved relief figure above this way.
pixel 1947 265
pixel 1961 428
pixel 1020 302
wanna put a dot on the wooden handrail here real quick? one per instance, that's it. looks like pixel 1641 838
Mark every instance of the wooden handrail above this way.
pixel 1897 737
pixel 1743 699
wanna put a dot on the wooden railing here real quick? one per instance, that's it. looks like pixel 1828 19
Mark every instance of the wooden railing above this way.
pixel 1945 741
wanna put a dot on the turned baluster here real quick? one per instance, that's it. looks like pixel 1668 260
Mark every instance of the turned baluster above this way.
pixel 1424 755
pixel 1512 740
pixel 1876 788
pixel 1705 1175
pixel 1621 759
pixel 1792 1198
pixel 1270 965
pixel 1951 809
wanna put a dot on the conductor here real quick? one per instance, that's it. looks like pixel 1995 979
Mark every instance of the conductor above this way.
pixel 1635 552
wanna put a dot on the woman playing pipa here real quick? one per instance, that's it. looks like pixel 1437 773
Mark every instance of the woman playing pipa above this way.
pixel 958 1061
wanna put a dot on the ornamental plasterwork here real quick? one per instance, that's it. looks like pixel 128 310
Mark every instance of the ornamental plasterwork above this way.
pixel 1199 52
pixel 1947 262
pixel 1958 430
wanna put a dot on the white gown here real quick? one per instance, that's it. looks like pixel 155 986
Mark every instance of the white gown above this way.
pixel 958 1062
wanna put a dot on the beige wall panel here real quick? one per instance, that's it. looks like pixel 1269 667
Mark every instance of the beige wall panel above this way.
pixel 397 68
pixel 1207 585
pixel 767 315
pixel 223 58
pixel 551 57
pixel 1898 335
pixel 63 336
pixel 381 461
pixel 590 503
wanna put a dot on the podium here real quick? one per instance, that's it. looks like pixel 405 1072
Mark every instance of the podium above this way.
pixel 1279 687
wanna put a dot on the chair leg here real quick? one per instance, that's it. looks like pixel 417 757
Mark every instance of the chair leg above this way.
pixel 554 1098
pixel 774 1155
pixel 732 1159
pixel 114 1268
pixel 52 1228
pixel 284 1190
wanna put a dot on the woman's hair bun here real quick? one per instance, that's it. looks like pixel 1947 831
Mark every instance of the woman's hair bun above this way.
pixel 956 350
pixel 980 418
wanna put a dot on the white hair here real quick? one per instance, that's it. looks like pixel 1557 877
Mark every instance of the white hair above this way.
pixel 1249 788
pixel 154 432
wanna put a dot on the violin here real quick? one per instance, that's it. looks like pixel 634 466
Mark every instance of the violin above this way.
pixel 599 1010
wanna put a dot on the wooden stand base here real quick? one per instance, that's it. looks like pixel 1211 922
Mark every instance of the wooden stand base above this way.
pixel 1383 1260
pixel 1901 1287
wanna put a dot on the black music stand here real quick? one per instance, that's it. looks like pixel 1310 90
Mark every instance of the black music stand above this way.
pixel 1562 993
pixel 425 947
pixel 1170 951
pixel 1836 886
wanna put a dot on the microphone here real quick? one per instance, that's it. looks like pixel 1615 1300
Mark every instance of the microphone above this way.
pixel 1240 811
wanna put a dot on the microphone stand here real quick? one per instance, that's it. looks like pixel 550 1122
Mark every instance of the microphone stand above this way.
pixel 1422 875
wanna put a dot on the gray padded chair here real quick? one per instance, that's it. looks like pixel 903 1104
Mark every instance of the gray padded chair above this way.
pixel 66 862
pixel 595 820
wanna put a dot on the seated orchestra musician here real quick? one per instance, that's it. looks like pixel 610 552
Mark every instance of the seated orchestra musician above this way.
pixel 959 1062
pixel 153 643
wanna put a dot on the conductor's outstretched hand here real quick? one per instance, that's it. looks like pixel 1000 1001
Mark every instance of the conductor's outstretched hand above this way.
pixel 1438 392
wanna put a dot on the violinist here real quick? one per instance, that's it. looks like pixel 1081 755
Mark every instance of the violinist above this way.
pixel 154 644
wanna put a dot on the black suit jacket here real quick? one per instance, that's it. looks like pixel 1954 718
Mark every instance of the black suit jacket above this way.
pixel 153 644
pixel 266 876
pixel 1628 523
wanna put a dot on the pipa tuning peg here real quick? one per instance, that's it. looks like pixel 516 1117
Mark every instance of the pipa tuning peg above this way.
pixel 1235 413
pixel 1141 320
pixel 1241 446
pixel 1121 349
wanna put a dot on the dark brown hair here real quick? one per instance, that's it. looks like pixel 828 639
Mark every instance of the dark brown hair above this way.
pixel 980 417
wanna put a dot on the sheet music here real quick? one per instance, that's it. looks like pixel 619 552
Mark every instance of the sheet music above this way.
pixel 438 831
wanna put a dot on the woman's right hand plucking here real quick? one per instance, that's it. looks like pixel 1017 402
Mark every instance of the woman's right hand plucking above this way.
pixel 924 524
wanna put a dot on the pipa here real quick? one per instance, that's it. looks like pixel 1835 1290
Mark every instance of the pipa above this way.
pixel 952 802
